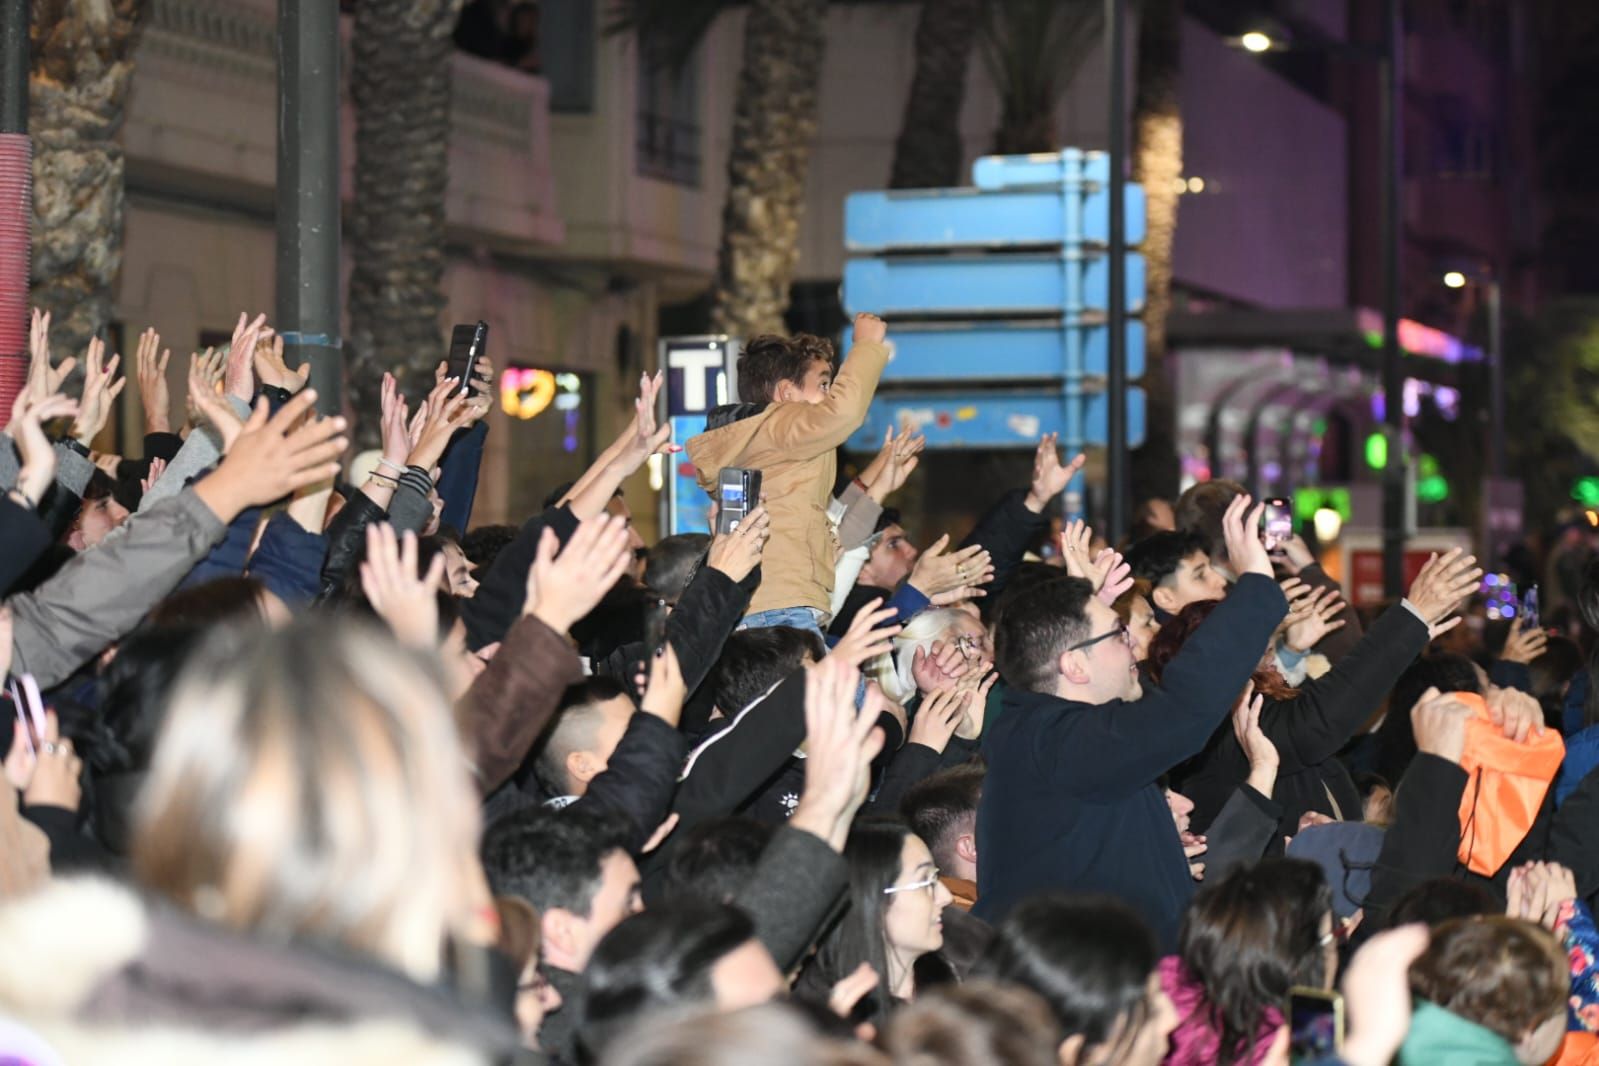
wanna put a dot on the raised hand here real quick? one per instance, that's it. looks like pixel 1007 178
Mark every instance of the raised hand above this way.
pixel 1111 576
pixel 1439 723
pixel 1525 643
pixel 864 640
pixel 892 467
pixel 840 744
pixel 396 424
pixel 1241 530
pixel 155 395
pixel 158 466
pixel 208 405
pixel 1443 583
pixel 869 329
pixel 647 436
pixel 56 780
pixel 444 412
pixel 564 584
pixel 1050 478
pixel 407 602
pixel 271 368
pixel 239 376
pixel 272 456
pixel 1258 748
pixel 1317 616
pixel 44 380
pixel 666 690
pixel 738 553
pixel 938 717
pixel 976 686
pixel 948 577
pixel 938 666
pixel 1377 993
pixel 101 387
pixel 28 417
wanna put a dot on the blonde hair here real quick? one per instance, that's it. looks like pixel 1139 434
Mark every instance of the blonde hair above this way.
pixel 892 671
pixel 310 784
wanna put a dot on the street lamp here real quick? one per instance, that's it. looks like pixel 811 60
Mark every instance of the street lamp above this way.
pixel 1454 279
pixel 1389 57
pixel 1458 279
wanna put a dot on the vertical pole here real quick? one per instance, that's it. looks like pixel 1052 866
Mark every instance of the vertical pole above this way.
pixel 1117 464
pixel 1496 380
pixel 1073 191
pixel 308 194
pixel 1393 475
pixel 16 202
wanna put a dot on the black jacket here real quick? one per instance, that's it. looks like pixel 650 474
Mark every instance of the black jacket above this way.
pixel 1308 731
pixel 23 538
pixel 711 607
pixel 499 598
pixel 346 536
pixel 640 778
pixel 1071 800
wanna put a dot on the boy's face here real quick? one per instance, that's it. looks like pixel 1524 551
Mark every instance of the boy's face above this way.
pixel 1193 580
pixel 812 388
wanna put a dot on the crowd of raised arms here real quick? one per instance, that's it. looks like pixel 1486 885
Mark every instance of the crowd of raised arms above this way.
pixel 305 768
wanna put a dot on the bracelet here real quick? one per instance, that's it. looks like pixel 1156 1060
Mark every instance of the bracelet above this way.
pixel 375 476
pixel 396 467
pixel 20 498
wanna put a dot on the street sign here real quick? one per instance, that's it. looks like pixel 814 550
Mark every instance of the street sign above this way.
pixel 1026 351
pixel 1001 419
pixel 701 373
pixel 972 218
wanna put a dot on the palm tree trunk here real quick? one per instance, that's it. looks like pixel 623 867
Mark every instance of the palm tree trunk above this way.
pixel 1158 164
pixel 928 151
pixel 774 125
pixel 81 64
pixel 400 82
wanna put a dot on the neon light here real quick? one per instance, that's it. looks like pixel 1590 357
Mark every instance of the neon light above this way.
pixel 1377 451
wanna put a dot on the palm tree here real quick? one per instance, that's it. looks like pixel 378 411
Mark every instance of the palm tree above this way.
pixel 400 82
pixel 81 64
pixel 774 127
pixel 928 151
pixel 1158 164
pixel 1032 48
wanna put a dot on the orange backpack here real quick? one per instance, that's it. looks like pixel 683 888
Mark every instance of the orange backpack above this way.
pixel 1506 787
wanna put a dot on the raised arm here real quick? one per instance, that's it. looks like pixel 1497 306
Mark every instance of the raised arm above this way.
pixel 804 430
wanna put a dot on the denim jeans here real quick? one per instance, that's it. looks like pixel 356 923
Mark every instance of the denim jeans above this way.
pixel 798 617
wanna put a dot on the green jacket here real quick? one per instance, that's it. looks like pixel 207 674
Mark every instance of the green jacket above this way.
pixel 1437 1036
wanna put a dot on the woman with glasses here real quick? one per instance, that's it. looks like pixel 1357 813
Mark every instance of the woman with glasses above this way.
pixel 1246 941
pixel 894 921
pixel 960 631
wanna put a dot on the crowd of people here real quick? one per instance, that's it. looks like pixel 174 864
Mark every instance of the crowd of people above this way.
pixel 306 767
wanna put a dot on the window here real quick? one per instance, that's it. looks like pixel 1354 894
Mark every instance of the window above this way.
pixel 551 420
pixel 668 117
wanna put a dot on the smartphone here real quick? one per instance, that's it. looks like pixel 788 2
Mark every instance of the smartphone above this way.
pixel 654 630
pixel 1279 523
pixel 1315 1024
pixel 738 492
pixel 466 348
pixel 1529 609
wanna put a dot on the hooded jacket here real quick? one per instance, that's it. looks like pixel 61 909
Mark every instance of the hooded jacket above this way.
pixel 1436 1035
pixel 792 445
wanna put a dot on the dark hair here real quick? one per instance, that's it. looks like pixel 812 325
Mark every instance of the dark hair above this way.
pixel 976 1024
pixel 1501 973
pixel 1089 957
pixel 1184 624
pixel 1442 899
pixel 1157 557
pixel 940 806
pixel 617 621
pixel 484 544
pixel 1396 741
pixel 221 601
pixel 552 858
pixel 657 959
pixel 773 1034
pixel 768 360
pixel 874 852
pixel 673 563
pixel 1249 938
pixel 714 860
pixel 1200 510
pixel 1550 673
pixel 572 729
pixel 753 660
pixel 1035 629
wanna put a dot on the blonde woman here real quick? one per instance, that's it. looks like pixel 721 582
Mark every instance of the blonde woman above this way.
pixel 305 845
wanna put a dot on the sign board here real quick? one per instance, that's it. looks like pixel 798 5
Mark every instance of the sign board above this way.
pixel 991 419
pixel 701 373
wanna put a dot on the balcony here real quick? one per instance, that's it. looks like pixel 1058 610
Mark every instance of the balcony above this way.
pixel 202 126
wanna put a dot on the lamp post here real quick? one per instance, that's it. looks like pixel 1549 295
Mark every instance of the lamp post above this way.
pixel 1116 458
pixel 1494 297
pixel 1389 57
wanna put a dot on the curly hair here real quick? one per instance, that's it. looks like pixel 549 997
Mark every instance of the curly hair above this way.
pixel 768 360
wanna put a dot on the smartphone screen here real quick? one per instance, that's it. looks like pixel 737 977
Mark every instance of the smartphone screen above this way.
pixel 1316 1024
pixel 1279 524
pixel 466 347
pixel 1529 609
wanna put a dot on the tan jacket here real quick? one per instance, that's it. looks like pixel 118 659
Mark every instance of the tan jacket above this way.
pixel 792 445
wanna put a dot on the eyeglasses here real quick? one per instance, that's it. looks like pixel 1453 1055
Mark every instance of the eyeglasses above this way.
pixel 1119 631
pixel 972 647
pixel 932 879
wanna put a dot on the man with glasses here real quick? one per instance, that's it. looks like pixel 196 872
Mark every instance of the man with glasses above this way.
pixel 1071 800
